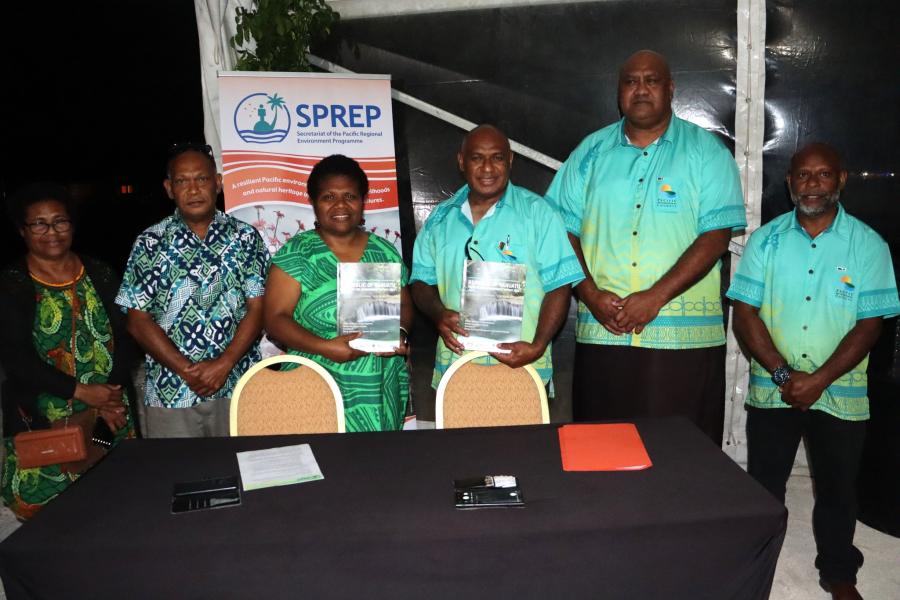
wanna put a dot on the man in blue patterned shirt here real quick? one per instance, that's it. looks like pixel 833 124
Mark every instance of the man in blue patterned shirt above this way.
pixel 193 292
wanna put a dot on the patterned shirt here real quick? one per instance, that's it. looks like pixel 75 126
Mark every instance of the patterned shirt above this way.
pixel 375 389
pixel 520 228
pixel 636 211
pixel 810 294
pixel 196 291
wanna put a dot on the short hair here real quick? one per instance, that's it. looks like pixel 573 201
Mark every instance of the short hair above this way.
pixel 179 148
pixel 336 164
pixel 17 203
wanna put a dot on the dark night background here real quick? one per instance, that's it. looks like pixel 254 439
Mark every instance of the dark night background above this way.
pixel 94 93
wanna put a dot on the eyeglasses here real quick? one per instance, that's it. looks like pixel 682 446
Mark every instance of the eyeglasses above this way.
pixel 42 227
pixel 469 250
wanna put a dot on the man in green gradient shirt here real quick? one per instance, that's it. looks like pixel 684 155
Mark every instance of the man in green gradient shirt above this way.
pixel 490 219
pixel 650 203
pixel 810 292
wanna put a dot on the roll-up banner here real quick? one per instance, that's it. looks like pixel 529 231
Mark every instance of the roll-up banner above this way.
pixel 277 126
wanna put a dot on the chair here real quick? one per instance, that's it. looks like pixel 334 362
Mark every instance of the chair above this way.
pixel 302 400
pixel 472 395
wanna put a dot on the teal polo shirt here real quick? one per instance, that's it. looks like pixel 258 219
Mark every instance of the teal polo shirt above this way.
pixel 520 228
pixel 636 211
pixel 810 293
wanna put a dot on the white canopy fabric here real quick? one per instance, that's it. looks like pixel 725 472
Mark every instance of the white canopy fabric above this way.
pixel 216 26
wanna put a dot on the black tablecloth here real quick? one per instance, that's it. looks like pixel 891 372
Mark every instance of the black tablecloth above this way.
pixel 382 524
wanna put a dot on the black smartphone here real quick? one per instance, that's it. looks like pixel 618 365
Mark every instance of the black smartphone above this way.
pixel 102 435
pixel 219 492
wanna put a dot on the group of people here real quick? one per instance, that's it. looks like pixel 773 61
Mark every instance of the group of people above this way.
pixel 635 224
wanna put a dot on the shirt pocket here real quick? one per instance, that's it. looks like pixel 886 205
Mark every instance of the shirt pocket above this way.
pixel 507 248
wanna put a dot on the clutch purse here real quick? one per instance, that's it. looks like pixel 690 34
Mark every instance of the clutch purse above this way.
pixel 50 446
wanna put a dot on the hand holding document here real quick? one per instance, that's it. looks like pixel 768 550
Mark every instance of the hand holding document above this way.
pixel 278 466
pixel 492 304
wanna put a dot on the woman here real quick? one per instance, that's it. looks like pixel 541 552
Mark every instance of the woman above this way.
pixel 63 340
pixel 301 296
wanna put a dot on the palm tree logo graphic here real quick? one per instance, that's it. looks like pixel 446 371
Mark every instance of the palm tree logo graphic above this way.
pixel 258 116
pixel 275 102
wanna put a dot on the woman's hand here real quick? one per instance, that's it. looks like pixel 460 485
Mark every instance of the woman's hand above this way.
pixel 339 350
pixel 100 395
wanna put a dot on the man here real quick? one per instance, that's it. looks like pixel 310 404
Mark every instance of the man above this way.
pixel 809 296
pixel 192 289
pixel 492 220
pixel 649 203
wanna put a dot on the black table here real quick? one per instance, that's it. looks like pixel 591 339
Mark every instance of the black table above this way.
pixel 382 524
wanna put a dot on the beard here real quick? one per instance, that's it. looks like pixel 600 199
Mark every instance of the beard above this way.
pixel 814 211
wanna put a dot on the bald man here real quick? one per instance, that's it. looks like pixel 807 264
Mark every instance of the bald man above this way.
pixel 810 293
pixel 650 203
pixel 490 219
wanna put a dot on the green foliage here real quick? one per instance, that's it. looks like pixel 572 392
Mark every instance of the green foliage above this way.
pixel 283 31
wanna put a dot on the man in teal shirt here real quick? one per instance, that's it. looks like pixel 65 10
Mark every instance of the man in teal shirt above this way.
pixel 650 203
pixel 490 219
pixel 810 293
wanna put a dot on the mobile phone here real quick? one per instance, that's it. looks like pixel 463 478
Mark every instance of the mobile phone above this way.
pixel 219 492
pixel 102 435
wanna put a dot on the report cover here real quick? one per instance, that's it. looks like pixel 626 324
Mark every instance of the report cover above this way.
pixel 369 301
pixel 493 302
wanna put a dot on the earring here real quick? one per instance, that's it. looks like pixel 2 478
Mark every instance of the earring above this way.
pixel 316 224
pixel 362 222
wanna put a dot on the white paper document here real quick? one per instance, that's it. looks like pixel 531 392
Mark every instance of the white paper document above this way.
pixel 278 466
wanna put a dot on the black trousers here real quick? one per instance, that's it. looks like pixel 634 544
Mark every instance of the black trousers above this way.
pixel 623 382
pixel 835 449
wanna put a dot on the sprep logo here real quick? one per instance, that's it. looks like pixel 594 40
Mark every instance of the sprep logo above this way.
pixel 262 118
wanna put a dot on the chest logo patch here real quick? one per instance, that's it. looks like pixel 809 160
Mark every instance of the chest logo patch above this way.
pixel 667 198
pixel 845 288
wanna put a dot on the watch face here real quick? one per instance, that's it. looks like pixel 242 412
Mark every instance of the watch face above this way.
pixel 781 376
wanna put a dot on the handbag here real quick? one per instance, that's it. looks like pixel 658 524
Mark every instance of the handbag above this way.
pixel 66 443
pixel 52 446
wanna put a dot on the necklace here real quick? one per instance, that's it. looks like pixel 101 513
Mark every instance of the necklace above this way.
pixel 60 285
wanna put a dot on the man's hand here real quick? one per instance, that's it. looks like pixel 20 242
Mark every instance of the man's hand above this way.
pixel 603 305
pixel 638 309
pixel 803 390
pixel 521 354
pixel 339 350
pixel 401 350
pixel 448 328
pixel 208 375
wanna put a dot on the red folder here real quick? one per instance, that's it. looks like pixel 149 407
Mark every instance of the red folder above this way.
pixel 606 447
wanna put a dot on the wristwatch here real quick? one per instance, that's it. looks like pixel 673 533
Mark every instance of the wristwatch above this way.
pixel 781 375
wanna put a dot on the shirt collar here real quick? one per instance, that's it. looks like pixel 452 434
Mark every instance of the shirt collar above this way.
pixel 840 226
pixel 670 135
pixel 219 221
pixel 462 196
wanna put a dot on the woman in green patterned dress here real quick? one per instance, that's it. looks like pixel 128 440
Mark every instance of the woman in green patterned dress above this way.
pixel 62 340
pixel 301 298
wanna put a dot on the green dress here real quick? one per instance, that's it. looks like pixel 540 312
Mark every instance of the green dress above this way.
pixel 63 313
pixel 375 388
